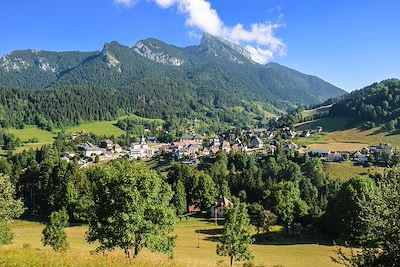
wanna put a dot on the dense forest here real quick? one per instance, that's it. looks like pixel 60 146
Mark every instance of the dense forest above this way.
pixel 377 104
pixel 60 107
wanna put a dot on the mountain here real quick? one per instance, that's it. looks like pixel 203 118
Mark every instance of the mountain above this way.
pixel 216 81
pixel 215 63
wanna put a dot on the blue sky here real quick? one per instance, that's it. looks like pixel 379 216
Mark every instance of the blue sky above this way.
pixel 348 43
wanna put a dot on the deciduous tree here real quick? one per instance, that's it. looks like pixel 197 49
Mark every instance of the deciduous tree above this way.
pixel 131 209
pixel 236 239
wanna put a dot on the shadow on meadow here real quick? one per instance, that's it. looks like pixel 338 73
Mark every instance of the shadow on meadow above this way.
pixel 274 238
pixel 282 238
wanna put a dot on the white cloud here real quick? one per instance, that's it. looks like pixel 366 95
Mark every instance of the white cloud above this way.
pixel 260 39
pixel 128 3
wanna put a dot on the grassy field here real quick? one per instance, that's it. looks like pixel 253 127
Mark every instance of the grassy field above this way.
pixel 346 170
pixel 27 249
pixel 97 127
pixel 340 134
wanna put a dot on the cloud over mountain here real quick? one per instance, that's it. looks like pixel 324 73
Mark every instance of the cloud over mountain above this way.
pixel 259 39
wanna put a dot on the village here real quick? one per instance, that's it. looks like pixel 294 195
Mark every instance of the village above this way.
pixel 192 149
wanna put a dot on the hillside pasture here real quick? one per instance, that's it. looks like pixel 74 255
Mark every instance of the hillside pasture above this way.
pixel 97 127
pixel 341 134
pixel 196 246
pixel 346 170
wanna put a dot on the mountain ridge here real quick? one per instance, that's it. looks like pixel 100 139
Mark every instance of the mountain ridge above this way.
pixel 214 65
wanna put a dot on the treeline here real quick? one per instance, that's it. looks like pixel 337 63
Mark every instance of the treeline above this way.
pixel 373 105
pixel 72 105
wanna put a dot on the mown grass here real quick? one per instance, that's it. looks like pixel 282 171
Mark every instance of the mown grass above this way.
pixel 27 249
pixel 97 127
pixel 346 170
pixel 30 131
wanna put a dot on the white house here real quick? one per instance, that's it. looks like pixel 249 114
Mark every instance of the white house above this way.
pixel 140 150
pixel 90 150
pixel 219 207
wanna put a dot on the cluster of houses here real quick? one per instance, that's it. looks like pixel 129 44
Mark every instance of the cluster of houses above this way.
pixel 362 156
pixel 190 147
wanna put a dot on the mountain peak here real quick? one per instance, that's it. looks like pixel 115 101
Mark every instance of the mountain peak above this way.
pixel 220 47
pixel 159 52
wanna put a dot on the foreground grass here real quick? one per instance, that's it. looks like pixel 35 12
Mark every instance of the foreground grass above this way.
pixel 346 170
pixel 27 249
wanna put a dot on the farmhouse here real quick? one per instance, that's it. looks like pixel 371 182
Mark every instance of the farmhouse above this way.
pixel 90 149
pixel 218 209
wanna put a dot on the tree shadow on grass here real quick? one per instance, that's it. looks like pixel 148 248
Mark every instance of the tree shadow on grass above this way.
pixel 212 232
pixel 285 239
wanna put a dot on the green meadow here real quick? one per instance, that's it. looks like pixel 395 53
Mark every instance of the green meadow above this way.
pixel 196 245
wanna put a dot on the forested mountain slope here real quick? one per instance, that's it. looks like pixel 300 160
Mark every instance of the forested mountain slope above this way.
pixel 151 79
pixel 377 103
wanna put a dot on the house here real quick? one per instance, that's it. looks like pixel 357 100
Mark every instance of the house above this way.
pixel 192 209
pixel 69 155
pixel 90 149
pixel 269 135
pixel 362 159
pixel 226 147
pixel 82 163
pixel 205 151
pixel 214 150
pixel 190 138
pixel 117 148
pixel 218 209
pixel 289 134
pixel 106 143
pixel 216 142
pixel 381 149
pixel 232 136
pixel 259 131
pixel 140 150
pixel 290 147
pixel 318 152
pixel 306 133
pixel 257 143
pixel 64 158
pixel 239 148
pixel 334 157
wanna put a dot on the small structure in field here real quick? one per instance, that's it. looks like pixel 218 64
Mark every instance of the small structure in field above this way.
pixel 219 207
